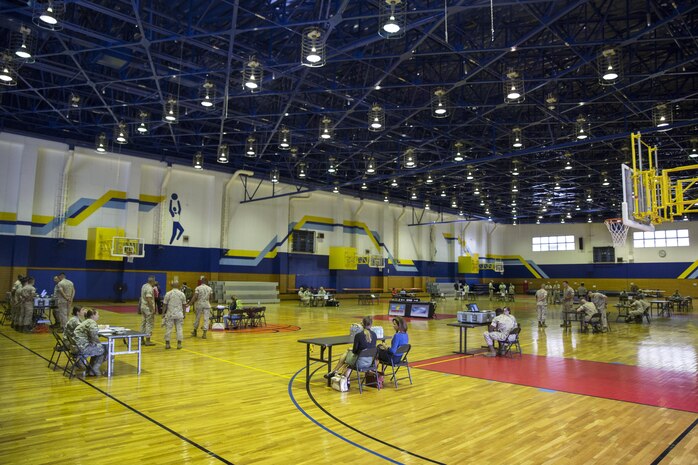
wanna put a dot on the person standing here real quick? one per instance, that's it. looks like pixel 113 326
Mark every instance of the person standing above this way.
pixel 556 293
pixel 26 302
pixel 567 302
pixel 490 287
pixel 174 303
pixel 14 300
pixel 65 292
pixel 600 300
pixel 148 310
pixel 549 290
pixel 202 306
pixel 582 291
pixel 542 305
pixel 87 341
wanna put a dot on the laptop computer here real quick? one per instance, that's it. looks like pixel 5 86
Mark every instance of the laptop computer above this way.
pixel 473 308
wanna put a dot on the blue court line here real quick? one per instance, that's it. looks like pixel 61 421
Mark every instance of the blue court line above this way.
pixel 546 390
pixel 300 409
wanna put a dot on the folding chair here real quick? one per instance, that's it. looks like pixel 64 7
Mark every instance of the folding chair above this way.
pixel 60 348
pixel 372 367
pixel 259 316
pixel 402 350
pixel 75 358
pixel 506 345
pixel 595 323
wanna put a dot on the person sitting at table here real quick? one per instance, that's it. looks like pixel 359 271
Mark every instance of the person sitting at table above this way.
pixel 232 320
pixel 403 292
pixel 499 330
pixel 75 320
pixel 589 310
pixel 385 353
pixel 600 300
pixel 322 291
pixel 638 308
pixel 634 288
pixel 366 339
pixel 87 342
pixel 676 296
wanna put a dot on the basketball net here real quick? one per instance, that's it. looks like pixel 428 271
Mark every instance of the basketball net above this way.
pixel 618 230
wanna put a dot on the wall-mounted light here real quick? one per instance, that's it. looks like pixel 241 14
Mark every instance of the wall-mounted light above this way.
pixel 609 66
pixel 392 18
pixel 252 74
pixel 223 154
pixel 198 160
pixel 313 47
pixel 49 14
pixel 121 133
pixel 284 136
pixel 101 142
pixel 170 111
pixel 376 118
pixel 513 87
pixel 207 95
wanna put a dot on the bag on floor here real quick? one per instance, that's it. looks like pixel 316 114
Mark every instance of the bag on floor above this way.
pixel 374 378
pixel 218 326
pixel 340 383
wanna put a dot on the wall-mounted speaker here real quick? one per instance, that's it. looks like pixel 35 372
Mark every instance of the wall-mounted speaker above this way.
pixel 581 243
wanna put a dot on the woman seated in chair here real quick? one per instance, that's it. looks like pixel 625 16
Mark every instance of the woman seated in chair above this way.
pixel 87 341
pixel 366 339
pixel 386 354
pixel 77 318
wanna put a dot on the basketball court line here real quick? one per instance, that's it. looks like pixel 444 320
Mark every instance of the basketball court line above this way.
pixel 133 409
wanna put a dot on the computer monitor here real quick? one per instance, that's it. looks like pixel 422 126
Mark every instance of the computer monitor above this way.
pixel 396 309
pixel 420 310
pixel 473 308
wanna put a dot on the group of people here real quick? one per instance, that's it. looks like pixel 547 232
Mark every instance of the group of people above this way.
pixel 591 303
pixel 366 339
pixel 305 294
pixel 503 291
pixel 23 294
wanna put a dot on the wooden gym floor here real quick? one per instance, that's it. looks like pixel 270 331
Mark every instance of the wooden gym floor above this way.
pixel 241 398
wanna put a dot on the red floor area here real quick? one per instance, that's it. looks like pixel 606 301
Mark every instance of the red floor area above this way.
pixel 650 386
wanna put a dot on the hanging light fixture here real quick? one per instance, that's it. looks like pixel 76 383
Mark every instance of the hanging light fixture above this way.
pixel 470 176
pixel 429 179
pixel 8 70
pixel 440 105
pixel 223 154
pixel 332 165
pixel 454 203
pixel 101 142
pixel 392 18
pixel 370 165
pixel 443 193
pixel 515 171
pixel 458 151
pixel 551 101
pixel 198 160
pixel 313 47
pixel 413 195
pixel 23 44
pixel 514 187
pixel 662 116
pixel 513 87
pixel 326 131
pixel 409 159
pixel 557 186
pixel 73 113
pixel 393 183
pixel 363 186
pixel 284 136
pixel 207 94
pixel 335 190
pixel 121 133
pixel 477 190
pixel 589 219
pixel 694 148
pixel 49 14
pixel 427 205
pixel 568 163
pixel 143 125
pixel 376 118
pixel 581 130
pixel 516 138
pixel 605 181
pixel 251 146
pixel 170 112
pixel 609 66
pixel 386 198
pixel 274 175
pixel 252 74
pixel 301 170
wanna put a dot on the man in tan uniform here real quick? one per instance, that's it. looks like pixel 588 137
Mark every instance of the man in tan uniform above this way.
pixel 499 330
pixel 174 303
pixel 589 310
pixel 14 301
pixel 600 300
pixel 147 310
pixel 542 305
pixel 65 291
pixel 638 308
pixel 567 302
pixel 26 302
pixel 200 300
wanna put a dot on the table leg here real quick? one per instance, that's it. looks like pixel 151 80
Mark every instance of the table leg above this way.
pixel 110 356
pixel 329 364
pixel 307 364
pixel 465 340
pixel 139 352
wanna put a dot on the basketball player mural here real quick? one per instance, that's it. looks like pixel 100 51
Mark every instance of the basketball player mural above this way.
pixel 175 212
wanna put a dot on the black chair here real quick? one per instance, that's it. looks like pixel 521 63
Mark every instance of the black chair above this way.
pixel 506 345
pixel 60 348
pixel 259 316
pixel 402 350
pixel 373 352
pixel 595 323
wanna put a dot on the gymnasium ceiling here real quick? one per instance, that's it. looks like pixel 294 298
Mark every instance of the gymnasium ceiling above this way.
pixel 124 58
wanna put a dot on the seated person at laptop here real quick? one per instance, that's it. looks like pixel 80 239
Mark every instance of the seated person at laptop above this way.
pixel 589 310
pixel 386 354
pixel 366 339
pixel 499 330
pixel 87 341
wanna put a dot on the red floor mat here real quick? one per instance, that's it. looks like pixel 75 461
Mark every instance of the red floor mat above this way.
pixel 649 386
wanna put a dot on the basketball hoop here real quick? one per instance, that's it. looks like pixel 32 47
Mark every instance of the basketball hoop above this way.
pixel 618 230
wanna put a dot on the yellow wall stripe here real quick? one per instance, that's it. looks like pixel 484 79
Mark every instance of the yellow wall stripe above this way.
pixel 42 219
pixel 250 253
pixel 689 270
pixel 151 198
pixel 97 204
pixel 8 216
pixel 519 258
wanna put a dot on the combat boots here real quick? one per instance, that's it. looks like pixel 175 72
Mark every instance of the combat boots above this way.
pixel 147 342
pixel 204 335
pixel 491 353
pixel 179 345
pixel 193 333
pixel 167 344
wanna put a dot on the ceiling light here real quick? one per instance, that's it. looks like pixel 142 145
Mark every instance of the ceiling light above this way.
pixel 376 118
pixel 284 137
pixel 609 65
pixel 443 193
pixel 371 165
pixel 364 186
pixel 605 181
pixel 170 111
pixel 454 203
pixel 385 198
pixel 562 220
pixel 516 138
pixel 378 87
pixel 589 219
pixel 409 159
pixel 557 187
pixel 515 172
pixel 569 215
pixel 393 183
pixel 476 191
pixel 440 105
pixel 313 47
pixel 694 148
pixel 577 208
pixel 251 146
pixel 392 18
pixel 23 42
pixel 326 128
pixel 121 133
pixel 413 196
pixel 551 101
pixel 198 161
pixel 143 125
pixel 48 15
pixel 429 179
pixel 458 151
pixel 513 87
pixel 332 166
pixel 685 217
pixel 252 74
pixel 222 154
pixel 589 199
pixel 207 94
pixel 301 170
pixel 335 190
pixel 662 115
pixel 274 175
pixel 514 188
pixel 469 176
pixel 580 128
pixel 101 142
pixel 460 213
pixel 8 70
pixel 537 221
pixel 427 205
pixel 568 165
